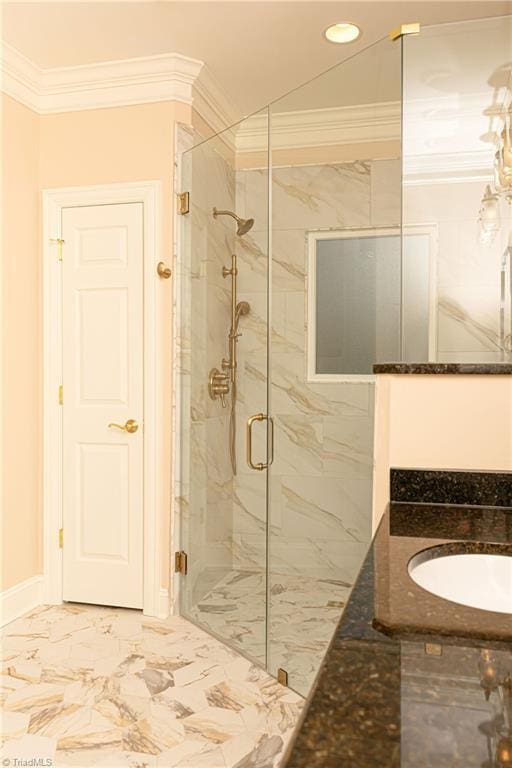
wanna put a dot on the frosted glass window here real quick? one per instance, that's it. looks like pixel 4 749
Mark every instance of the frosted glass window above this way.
pixel 367 310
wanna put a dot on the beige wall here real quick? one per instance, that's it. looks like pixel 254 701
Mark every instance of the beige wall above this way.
pixel 103 146
pixel 21 346
pixel 440 422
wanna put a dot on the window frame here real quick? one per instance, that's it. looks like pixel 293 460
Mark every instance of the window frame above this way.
pixel 312 238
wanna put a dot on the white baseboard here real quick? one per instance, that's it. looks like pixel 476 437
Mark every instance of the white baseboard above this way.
pixel 21 598
pixel 17 600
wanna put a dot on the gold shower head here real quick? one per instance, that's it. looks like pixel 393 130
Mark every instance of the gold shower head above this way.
pixel 244 225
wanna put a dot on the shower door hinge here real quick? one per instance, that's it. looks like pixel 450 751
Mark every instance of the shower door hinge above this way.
pixel 405 29
pixel 61 538
pixel 183 203
pixel 282 676
pixel 61 394
pixel 180 562
pixel 59 242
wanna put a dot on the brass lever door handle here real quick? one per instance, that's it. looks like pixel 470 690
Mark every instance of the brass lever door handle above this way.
pixel 129 426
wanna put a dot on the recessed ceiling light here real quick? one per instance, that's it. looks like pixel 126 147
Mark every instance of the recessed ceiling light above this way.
pixel 342 32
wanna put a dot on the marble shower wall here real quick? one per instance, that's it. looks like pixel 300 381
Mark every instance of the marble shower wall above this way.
pixel 250 487
pixel 321 478
pixel 206 508
pixel 320 485
pixel 320 490
pixel 321 481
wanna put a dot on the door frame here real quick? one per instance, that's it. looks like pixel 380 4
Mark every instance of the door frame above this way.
pixel 156 598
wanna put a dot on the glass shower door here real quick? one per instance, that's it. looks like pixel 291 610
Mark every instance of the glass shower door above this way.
pixel 335 287
pixel 273 553
pixel 223 299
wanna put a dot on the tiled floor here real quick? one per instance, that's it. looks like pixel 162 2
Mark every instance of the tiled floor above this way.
pixel 303 614
pixel 92 686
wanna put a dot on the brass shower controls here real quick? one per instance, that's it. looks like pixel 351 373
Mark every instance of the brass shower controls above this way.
pixel 227 271
pixel 218 385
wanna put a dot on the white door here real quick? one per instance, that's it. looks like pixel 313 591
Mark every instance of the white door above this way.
pixel 102 300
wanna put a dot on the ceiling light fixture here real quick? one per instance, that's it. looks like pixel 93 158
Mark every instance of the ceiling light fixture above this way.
pixel 344 32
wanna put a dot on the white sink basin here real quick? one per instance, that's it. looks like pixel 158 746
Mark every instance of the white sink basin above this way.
pixel 477 580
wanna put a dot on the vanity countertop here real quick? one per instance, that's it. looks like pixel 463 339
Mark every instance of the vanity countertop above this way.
pixel 401 684
pixel 500 369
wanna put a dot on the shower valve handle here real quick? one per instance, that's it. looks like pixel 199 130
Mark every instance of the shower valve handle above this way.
pixel 218 385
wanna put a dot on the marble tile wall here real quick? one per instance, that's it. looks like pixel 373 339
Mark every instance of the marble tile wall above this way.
pixel 207 482
pixel 320 486
pixel 320 483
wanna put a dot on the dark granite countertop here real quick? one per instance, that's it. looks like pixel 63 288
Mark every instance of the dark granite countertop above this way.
pixel 410 680
pixel 445 368
pixel 489 488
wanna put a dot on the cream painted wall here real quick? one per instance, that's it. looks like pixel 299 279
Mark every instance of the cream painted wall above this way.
pixel 103 146
pixel 21 346
pixel 440 422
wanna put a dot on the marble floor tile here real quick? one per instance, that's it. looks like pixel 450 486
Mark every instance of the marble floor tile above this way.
pixel 235 609
pixel 91 686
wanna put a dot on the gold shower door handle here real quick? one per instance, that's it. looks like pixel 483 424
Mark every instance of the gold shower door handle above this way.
pixel 250 421
pixel 130 426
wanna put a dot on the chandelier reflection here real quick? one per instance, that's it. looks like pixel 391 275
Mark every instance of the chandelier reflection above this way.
pixel 503 157
pixel 489 213
pixel 489 216
pixel 497 686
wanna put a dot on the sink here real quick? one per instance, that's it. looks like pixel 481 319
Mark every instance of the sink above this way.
pixel 477 580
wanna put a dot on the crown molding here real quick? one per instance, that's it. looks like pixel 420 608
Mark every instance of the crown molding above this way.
pixel 447 168
pixel 173 77
pixel 167 77
pixel 21 79
pixel 358 124
pixel 466 116
pixel 213 103
pixel 381 122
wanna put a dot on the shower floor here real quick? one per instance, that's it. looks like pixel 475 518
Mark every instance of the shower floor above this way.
pixel 303 613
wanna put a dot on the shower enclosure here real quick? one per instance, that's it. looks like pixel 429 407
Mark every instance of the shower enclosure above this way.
pixel 305 257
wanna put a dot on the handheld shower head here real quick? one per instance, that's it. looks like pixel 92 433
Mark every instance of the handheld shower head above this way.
pixel 244 225
pixel 242 308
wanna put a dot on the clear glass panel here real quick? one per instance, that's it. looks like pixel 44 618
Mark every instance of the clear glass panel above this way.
pixel 223 313
pixel 457 94
pixel 336 295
